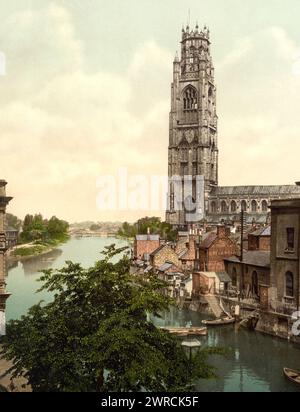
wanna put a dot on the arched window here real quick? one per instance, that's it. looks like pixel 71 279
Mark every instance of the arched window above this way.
pixel 289 285
pixel 213 207
pixel 190 98
pixel 223 207
pixel 244 205
pixel 264 206
pixel 255 283
pixel 233 206
pixel 254 206
pixel 234 277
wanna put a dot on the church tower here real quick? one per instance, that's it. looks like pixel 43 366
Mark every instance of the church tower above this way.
pixel 193 144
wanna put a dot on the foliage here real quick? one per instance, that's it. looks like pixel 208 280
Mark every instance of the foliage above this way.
pixel 36 228
pixel 13 221
pixel 95 334
pixel 156 226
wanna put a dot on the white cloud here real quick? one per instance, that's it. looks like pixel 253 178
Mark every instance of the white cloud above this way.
pixel 62 126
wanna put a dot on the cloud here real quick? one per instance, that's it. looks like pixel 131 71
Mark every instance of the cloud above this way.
pixel 258 101
pixel 63 126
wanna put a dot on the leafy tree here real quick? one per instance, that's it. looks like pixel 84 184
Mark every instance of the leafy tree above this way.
pixel 155 225
pixel 95 336
pixel 13 221
pixel 37 228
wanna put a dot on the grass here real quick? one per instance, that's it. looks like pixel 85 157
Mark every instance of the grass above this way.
pixel 39 246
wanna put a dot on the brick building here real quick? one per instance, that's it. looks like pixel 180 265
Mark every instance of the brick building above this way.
pixel 144 245
pixel 260 239
pixel 213 249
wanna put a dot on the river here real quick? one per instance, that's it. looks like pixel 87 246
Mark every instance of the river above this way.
pixel 254 361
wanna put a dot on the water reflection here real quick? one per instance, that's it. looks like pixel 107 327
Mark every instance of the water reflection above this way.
pixel 33 265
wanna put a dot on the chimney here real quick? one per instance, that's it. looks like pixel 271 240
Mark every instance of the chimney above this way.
pixel 221 231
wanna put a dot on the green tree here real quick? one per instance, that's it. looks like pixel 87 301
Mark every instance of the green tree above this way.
pixel 56 228
pixel 95 336
pixel 13 221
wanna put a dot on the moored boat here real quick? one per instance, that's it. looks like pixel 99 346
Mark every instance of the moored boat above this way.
pixel 292 375
pixel 219 322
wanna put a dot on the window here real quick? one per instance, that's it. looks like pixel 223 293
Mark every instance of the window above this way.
pixel 190 98
pixel 223 207
pixel 234 277
pixel 213 207
pixel 244 206
pixel 289 285
pixel 264 206
pixel 290 234
pixel 233 206
pixel 255 283
pixel 253 206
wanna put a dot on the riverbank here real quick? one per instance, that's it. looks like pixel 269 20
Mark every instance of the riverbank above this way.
pixel 32 250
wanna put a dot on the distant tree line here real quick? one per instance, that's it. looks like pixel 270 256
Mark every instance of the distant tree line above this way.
pixel 156 226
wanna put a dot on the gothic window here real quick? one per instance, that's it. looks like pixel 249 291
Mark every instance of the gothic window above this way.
pixel 233 207
pixel 223 207
pixel 253 206
pixel 289 285
pixel 264 206
pixel 213 207
pixel 190 98
pixel 244 205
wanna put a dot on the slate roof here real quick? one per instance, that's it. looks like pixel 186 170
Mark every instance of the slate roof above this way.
pixel 253 258
pixel 255 190
pixel 159 249
pixel 208 240
pixel 147 237
pixel 265 231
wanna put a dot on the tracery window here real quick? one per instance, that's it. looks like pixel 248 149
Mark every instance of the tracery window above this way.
pixel 190 98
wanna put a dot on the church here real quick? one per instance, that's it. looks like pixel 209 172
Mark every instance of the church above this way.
pixel 193 148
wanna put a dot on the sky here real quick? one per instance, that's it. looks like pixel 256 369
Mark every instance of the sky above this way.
pixel 86 92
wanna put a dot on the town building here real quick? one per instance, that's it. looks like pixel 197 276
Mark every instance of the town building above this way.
pixel 193 147
pixel 282 297
pixel 4 201
pixel 12 235
pixel 250 275
pixel 260 239
pixel 144 245
pixel 285 255
pixel 164 254
pixel 212 250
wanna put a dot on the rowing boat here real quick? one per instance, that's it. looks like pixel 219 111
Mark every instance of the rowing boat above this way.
pixel 292 375
pixel 219 322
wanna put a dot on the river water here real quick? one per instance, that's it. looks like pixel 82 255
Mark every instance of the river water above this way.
pixel 254 361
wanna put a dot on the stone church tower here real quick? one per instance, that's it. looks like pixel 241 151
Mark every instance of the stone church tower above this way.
pixel 193 144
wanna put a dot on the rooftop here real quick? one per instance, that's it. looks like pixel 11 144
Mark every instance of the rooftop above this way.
pixel 256 190
pixel 253 258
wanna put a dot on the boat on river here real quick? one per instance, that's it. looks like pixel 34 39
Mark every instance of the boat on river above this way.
pixel 292 375
pixel 190 331
pixel 219 322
